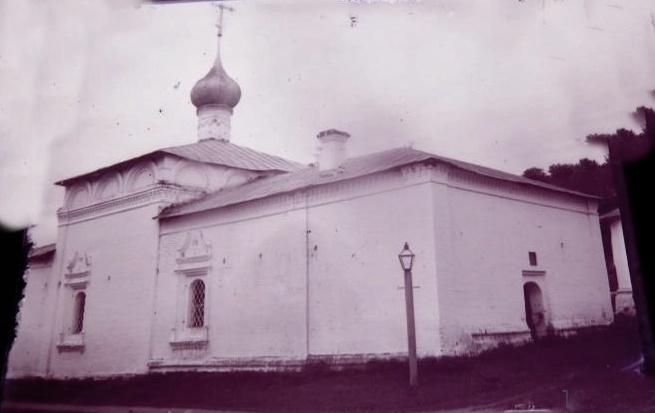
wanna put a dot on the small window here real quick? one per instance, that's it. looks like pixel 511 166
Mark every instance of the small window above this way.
pixel 197 304
pixel 78 313
pixel 533 258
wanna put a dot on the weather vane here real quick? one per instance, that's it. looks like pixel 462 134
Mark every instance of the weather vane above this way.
pixel 221 7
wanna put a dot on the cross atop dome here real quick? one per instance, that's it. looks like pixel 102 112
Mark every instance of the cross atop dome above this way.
pixel 216 94
pixel 220 8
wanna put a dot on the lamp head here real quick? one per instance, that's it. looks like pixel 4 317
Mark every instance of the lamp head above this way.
pixel 406 258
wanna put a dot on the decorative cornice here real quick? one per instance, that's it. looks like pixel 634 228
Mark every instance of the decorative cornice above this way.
pixel 533 273
pixel 77 283
pixel 351 188
pixel 193 271
pixel 416 171
pixel 415 174
pixel 161 192
pixel 342 190
pixel 512 190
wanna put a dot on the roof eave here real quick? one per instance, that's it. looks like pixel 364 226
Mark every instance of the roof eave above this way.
pixel 535 184
pixel 98 172
pixel 42 252
pixel 529 182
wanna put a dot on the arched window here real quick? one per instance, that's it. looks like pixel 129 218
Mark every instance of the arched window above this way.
pixel 197 305
pixel 78 313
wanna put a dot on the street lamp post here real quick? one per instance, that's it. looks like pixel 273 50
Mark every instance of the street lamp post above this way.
pixel 406 258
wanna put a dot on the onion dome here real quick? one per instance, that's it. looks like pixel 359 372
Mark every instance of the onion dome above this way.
pixel 216 88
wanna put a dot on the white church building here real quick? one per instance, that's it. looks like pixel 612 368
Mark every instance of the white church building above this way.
pixel 212 256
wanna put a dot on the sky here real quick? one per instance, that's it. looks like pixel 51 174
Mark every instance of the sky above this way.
pixel 508 84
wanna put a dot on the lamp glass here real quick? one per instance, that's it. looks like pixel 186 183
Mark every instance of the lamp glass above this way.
pixel 406 257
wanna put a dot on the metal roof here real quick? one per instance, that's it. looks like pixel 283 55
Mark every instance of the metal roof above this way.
pixel 211 151
pixel 352 168
pixel 42 251
pixel 228 154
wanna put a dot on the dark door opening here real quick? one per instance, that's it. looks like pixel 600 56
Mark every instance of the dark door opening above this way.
pixel 535 312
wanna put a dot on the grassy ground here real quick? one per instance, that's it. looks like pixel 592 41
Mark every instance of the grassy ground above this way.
pixel 585 369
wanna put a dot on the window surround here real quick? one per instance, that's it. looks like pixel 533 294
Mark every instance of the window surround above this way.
pixel 76 280
pixel 183 336
pixel 193 266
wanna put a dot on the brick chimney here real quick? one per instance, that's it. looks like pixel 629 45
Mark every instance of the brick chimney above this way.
pixel 332 153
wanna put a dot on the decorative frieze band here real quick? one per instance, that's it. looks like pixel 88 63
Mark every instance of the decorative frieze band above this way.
pixel 162 192
pixel 379 182
pixel 299 199
pixel 522 192
pixel 416 171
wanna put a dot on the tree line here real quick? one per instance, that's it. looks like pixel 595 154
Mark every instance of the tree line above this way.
pixel 594 178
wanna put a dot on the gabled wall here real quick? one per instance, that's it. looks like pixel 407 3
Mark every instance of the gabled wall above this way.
pixel 107 249
pixel 120 252
pixel 483 253
pixel 116 183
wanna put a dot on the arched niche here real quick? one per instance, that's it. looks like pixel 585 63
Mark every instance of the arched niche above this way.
pixel 108 187
pixel 192 176
pixel 78 196
pixel 233 178
pixel 141 176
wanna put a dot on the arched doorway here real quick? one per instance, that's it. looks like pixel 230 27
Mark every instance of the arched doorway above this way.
pixel 535 311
